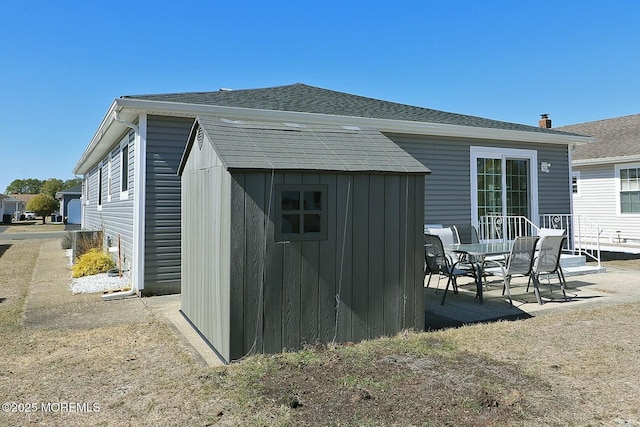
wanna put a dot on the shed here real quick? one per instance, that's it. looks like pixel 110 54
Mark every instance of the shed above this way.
pixel 297 233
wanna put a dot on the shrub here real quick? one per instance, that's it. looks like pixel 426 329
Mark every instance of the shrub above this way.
pixel 93 262
pixel 67 241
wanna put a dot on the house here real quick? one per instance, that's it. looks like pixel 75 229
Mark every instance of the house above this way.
pixel 479 166
pixel 299 233
pixel 606 180
pixel 14 204
pixel 70 204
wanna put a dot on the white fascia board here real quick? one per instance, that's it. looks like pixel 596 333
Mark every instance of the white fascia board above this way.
pixel 383 125
pixel 110 131
pixel 605 160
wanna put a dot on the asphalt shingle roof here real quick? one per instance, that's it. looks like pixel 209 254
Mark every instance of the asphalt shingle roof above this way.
pixel 618 137
pixel 309 99
pixel 288 146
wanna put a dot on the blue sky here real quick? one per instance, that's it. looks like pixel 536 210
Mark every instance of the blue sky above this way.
pixel 63 62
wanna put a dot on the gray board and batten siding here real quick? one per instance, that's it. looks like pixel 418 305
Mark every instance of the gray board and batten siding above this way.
pixel 247 292
pixel 447 188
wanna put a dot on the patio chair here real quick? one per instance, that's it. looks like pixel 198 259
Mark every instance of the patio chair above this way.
pixel 438 262
pixel 547 261
pixel 519 263
pixel 469 234
pixel 466 233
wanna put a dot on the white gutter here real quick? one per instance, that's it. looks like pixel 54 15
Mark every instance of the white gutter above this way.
pixel 137 273
pixel 111 128
pixel 605 160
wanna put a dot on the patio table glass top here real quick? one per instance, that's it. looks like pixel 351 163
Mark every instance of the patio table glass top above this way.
pixel 482 249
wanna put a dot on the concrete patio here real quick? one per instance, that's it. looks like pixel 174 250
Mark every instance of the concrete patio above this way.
pixel 615 286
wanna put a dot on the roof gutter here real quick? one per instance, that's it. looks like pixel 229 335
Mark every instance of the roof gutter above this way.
pixel 605 160
pixel 383 125
pixel 135 280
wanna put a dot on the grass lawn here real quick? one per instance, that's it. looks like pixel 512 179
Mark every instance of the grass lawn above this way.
pixel 572 368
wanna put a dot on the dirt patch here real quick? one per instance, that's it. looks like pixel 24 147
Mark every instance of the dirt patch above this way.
pixel 405 389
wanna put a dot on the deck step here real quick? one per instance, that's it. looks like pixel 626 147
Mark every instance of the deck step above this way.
pixel 570 260
pixel 581 270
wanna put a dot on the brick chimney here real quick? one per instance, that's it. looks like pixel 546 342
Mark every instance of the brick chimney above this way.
pixel 545 121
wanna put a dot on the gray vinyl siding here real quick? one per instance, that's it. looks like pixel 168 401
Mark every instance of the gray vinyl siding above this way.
pixel 166 140
pixel 598 200
pixel 379 265
pixel 115 217
pixel 448 189
pixel 554 188
pixel 205 239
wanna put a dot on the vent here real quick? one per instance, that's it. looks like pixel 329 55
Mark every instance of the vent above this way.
pixel 200 138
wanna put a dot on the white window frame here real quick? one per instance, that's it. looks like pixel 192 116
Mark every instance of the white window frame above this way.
pixel 85 190
pixel 618 168
pixel 109 178
pixel 124 165
pixel 479 152
pixel 99 195
pixel 576 175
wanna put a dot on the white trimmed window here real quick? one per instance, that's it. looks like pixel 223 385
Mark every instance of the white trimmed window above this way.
pixel 124 169
pixel 100 185
pixel 575 183
pixel 628 187
pixel 109 179
pixel 85 190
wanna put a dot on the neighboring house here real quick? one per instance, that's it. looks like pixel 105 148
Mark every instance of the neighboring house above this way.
pixel 606 179
pixel 281 221
pixel 478 165
pixel 70 204
pixel 14 204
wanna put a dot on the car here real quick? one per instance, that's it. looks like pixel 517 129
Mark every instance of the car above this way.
pixel 29 215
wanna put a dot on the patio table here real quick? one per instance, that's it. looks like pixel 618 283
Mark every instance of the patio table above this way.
pixel 479 251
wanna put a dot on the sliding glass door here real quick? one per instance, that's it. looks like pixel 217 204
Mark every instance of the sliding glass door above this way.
pixel 503 184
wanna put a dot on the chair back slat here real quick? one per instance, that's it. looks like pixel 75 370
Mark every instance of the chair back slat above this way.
pixel 445 234
pixel 434 253
pixel 466 234
pixel 550 250
pixel 522 255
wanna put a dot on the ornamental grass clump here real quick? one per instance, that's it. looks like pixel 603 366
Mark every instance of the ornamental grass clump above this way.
pixel 93 262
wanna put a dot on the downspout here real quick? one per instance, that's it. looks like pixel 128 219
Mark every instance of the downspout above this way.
pixel 136 246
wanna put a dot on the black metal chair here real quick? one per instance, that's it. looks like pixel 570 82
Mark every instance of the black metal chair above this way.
pixel 437 262
pixel 466 233
pixel 547 261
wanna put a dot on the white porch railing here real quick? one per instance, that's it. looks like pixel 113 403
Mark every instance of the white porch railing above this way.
pixel 583 234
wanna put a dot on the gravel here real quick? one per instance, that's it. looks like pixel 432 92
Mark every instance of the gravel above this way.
pixel 98 282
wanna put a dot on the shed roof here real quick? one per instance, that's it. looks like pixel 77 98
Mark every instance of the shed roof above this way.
pixel 242 144
pixel 310 99
pixel 615 138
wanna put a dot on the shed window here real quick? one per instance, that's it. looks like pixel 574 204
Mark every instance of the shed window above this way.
pixel 301 212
